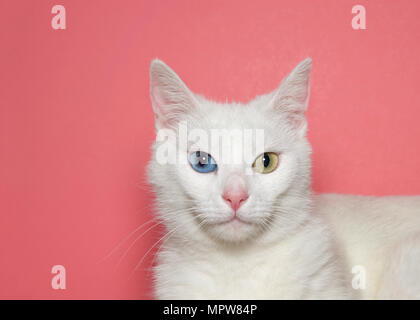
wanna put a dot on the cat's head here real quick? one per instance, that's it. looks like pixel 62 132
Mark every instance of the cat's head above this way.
pixel 227 171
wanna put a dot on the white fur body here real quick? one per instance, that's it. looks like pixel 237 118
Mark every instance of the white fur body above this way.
pixel 382 234
pixel 283 242
pixel 372 232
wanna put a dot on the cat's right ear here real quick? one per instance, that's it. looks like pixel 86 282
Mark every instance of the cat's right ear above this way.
pixel 171 98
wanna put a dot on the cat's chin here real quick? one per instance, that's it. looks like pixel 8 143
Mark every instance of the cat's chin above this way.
pixel 233 230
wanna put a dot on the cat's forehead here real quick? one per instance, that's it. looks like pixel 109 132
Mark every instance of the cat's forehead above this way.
pixel 232 116
pixel 252 121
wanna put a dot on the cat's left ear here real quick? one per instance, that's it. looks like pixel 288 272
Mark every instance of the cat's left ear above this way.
pixel 291 98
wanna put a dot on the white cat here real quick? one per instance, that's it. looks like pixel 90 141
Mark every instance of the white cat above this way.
pixel 253 230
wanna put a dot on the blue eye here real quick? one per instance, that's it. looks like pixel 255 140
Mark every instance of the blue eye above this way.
pixel 202 162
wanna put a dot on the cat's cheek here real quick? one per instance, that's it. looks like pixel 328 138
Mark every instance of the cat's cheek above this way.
pixel 285 174
pixel 196 185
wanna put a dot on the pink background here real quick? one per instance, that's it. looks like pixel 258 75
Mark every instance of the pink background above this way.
pixel 76 123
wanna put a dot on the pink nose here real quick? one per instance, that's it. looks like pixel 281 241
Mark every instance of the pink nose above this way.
pixel 235 198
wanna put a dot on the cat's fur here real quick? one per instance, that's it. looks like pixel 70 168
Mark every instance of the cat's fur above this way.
pixel 294 245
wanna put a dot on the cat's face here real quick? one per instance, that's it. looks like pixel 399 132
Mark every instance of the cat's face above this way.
pixel 230 171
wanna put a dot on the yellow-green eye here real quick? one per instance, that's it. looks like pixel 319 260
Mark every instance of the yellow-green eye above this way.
pixel 266 163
